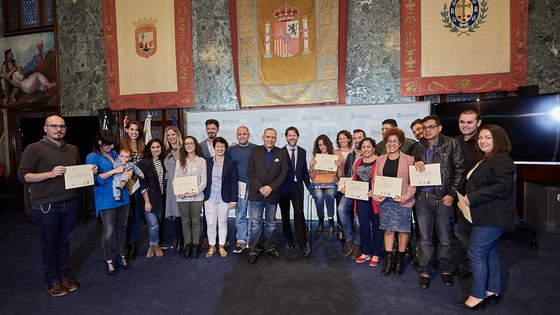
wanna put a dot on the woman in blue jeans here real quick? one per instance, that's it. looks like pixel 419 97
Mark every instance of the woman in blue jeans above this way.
pixel 152 187
pixel 488 189
pixel 114 213
pixel 323 182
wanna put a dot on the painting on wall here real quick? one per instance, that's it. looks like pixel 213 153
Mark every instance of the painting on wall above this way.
pixel 29 76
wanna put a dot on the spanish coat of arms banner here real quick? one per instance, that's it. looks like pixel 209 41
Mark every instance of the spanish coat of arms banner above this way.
pixel 289 52
pixel 148 53
pixel 463 46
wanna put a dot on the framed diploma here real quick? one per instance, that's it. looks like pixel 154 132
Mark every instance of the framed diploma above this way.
pixel 78 176
pixel 342 182
pixel 387 186
pixel 357 190
pixel 466 210
pixel 242 188
pixel 326 162
pixel 187 184
pixel 431 176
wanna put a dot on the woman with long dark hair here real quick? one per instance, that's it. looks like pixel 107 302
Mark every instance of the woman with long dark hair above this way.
pixel 152 188
pixel 191 163
pixel 323 183
pixel 488 192
pixel 133 140
pixel 114 213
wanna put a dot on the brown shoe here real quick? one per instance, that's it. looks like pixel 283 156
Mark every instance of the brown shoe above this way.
pixel 222 251
pixel 356 251
pixel 57 289
pixel 348 246
pixel 70 285
pixel 158 251
pixel 151 252
pixel 211 251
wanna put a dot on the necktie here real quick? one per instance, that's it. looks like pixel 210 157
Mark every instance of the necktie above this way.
pixel 293 158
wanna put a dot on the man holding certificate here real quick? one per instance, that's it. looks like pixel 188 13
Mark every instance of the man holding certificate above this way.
pixel 434 204
pixel 42 166
pixel 395 207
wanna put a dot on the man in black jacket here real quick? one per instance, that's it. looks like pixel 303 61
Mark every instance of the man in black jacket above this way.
pixel 267 169
pixel 292 190
pixel 434 204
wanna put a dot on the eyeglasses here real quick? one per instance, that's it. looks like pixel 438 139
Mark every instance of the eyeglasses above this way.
pixel 54 126
pixel 396 141
pixel 431 127
pixel 189 143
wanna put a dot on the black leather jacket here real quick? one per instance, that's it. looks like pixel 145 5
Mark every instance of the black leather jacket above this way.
pixel 449 154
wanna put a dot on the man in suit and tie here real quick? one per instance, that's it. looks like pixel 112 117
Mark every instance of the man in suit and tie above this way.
pixel 212 129
pixel 292 189
pixel 267 169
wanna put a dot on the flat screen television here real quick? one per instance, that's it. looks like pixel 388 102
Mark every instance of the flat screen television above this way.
pixel 532 124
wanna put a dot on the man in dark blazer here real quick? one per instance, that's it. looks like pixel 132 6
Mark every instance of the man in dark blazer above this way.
pixel 292 189
pixel 267 169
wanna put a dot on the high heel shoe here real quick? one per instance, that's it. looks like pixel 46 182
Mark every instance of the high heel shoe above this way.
pixel 494 298
pixel 480 304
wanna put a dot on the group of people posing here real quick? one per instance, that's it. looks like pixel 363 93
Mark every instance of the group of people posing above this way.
pixel 255 179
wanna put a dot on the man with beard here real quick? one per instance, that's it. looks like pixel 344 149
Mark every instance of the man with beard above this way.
pixel 212 129
pixel 292 190
pixel 469 122
pixel 42 166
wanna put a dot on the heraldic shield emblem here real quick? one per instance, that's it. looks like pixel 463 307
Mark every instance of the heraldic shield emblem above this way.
pixel 464 16
pixel 146 37
pixel 286 35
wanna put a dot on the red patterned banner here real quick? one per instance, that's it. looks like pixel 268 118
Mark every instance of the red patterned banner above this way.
pixel 148 52
pixel 463 46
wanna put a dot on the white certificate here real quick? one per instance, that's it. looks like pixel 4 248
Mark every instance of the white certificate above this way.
pixel 357 190
pixel 431 176
pixel 326 162
pixel 187 184
pixel 464 208
pixel 78 176
pixel 387 186
pixel 342 182
pixel 242 189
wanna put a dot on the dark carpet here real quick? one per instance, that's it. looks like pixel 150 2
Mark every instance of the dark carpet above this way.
pixel 324 283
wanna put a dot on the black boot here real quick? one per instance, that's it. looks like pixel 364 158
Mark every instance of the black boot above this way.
pixel 127 250
pixel 389 263
pixel 133 250
pixel 331 226
pixel 320 224
pixel 187 252
pixel 195 251
pixel 399 263
pixel 179 246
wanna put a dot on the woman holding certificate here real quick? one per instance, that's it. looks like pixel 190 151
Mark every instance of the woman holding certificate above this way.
pixel 395 208
pixel 191 165
pixel 173 146
pixel 488 189
pixel 366 208
pixel 114 213
pixel 324 170
pixel 152 188
pixel 220 195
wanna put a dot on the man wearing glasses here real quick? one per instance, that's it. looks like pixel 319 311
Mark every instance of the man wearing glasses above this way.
pixel 434 204
pixel 42 166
